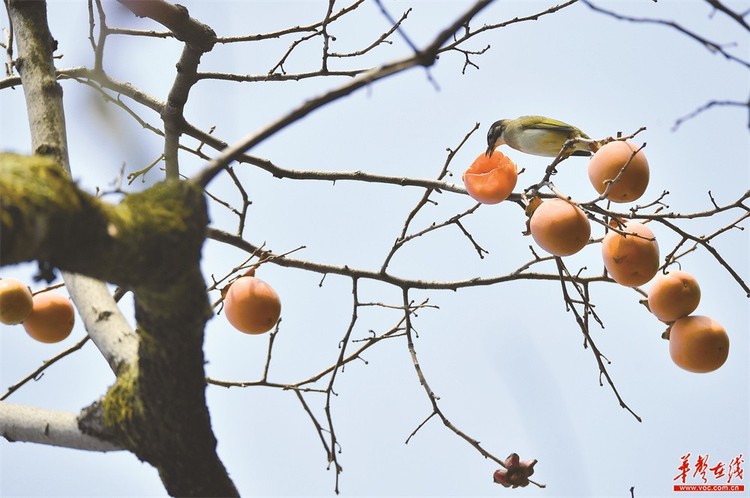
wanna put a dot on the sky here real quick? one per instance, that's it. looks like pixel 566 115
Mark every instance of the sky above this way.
pixel 507 361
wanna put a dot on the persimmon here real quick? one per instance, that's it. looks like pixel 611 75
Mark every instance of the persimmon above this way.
pixel 490 180
pixel 631 259
pixel 698 344
pixel 673 295
pixel 560 227
pixel 606 164
pixel 251 305
pixel 51 319
pixel 15 301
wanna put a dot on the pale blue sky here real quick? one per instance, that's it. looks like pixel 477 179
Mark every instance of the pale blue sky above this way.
pixel 507 361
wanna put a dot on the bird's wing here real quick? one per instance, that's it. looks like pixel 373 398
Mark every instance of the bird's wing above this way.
pixel 553 124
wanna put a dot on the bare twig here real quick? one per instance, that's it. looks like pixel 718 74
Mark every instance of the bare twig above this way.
pixel 710 45
pixel 433 398
pixel 39 372
pixel 706 107
pixel 383 38
pixel 571 305
pixel 402 239
pixel 732 14
pixel 704 242
pixel 353 272
pixel 424 58
pixel 293 30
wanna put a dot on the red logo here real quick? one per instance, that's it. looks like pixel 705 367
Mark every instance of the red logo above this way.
pixel 705 475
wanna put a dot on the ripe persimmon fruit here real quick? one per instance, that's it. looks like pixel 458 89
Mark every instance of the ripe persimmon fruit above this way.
pixel 631 259
pixel 15 301
pixel 560 227
pixel 490 180
pixel 698 344
pixel 673 295
pixel 51 319
pixel 606 164
pixel 251 305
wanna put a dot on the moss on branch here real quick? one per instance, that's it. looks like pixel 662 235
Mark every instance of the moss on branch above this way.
pixel 151 243
pixel 146 240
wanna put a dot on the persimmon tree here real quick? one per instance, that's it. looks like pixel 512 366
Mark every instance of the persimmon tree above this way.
pixel 149 242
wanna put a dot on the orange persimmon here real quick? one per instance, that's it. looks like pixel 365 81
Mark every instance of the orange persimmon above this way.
pixel 559 227
pixel 490 180
pixel 673 295
pixel 631 259
pixel 608 162
pixel 15 301
pixel 698 344
pixel 251 305
pixel 51 319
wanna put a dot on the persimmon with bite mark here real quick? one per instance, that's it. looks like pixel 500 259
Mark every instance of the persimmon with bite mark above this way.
pixel 491 180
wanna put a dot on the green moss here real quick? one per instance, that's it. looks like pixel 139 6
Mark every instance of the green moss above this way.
pixel 151 243
pixel 121 408
pixel 163 207
pixel 147 240
pixel 40 208
pixel 163 230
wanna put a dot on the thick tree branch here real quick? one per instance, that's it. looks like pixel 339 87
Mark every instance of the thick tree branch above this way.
pixel 43 95
pixel 42 92
pixel 199 39
pixel 157 408
pixel 103 321
pixel 151 242
pixel 177 19
pixel 35 425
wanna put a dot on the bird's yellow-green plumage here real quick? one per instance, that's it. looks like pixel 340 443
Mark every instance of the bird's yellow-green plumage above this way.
pixel 536 135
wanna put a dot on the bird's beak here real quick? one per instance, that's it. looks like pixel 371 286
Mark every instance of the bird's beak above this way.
pixel 490 150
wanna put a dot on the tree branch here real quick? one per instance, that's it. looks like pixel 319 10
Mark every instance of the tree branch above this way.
pixel 132 244
pixel 199 39
pixel 424 58
pixel 103 321
pixel 43 95
pixel 35 425
pixel 710 45
pixel 177 19
pixel 726 10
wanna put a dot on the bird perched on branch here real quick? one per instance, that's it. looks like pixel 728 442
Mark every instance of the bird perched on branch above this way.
pixel 538 136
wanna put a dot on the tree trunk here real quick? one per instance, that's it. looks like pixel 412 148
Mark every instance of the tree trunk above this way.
pixel 150 243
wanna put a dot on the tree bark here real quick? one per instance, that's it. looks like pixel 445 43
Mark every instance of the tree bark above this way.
pixel 151 243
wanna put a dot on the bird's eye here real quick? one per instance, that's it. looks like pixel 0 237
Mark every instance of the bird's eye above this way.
pixel 495 131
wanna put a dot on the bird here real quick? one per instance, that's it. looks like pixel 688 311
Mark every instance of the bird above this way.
pixel 536 135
